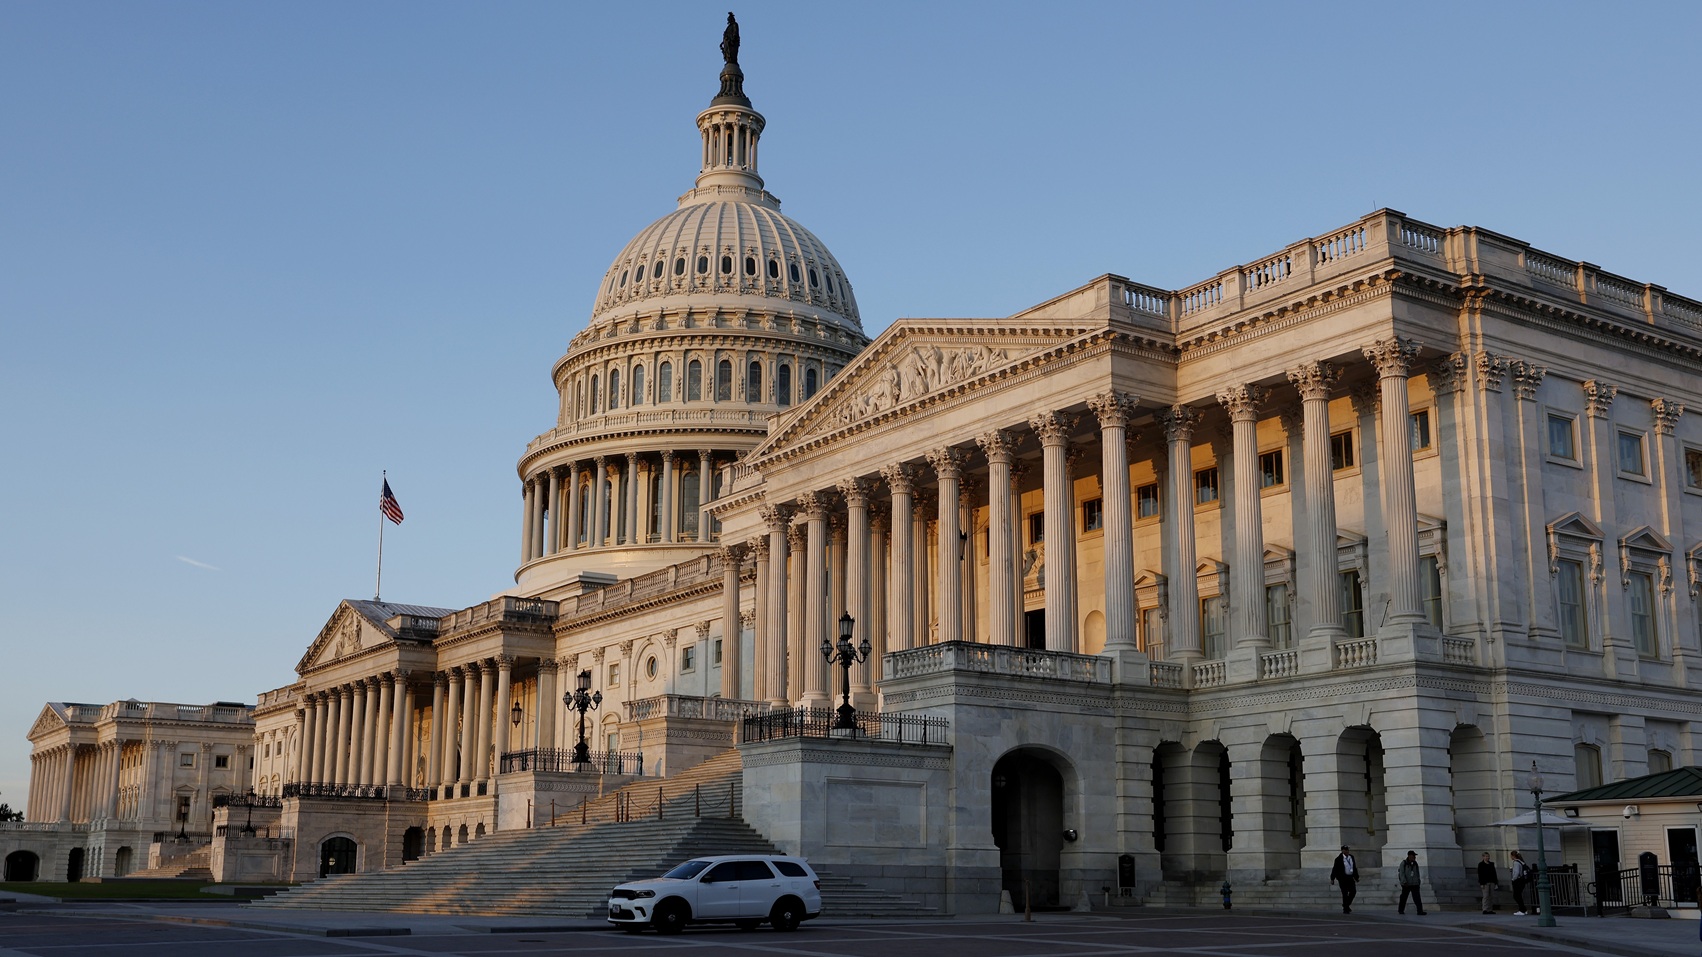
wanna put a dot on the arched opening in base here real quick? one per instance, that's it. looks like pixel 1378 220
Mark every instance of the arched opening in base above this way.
pixel 1028 827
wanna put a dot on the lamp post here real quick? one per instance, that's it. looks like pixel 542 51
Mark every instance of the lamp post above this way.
pixel 582 699
pixel 248 828
pixel 1545 911
pixel 182 825
pixel 846 656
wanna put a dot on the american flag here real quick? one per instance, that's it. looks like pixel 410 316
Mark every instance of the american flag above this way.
pixel 387 504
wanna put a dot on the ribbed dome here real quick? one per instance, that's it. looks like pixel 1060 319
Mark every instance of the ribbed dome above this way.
pixel 733 249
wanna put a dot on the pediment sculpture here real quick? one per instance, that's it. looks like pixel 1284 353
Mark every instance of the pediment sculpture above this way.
pixel 918 371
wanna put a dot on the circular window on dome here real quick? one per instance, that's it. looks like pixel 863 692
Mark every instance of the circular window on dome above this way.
pixel 657 272
pixel 774 269
pixel 703 264
pixel 726 264
pixel 650 667
pixel 750 266
pixel 813 282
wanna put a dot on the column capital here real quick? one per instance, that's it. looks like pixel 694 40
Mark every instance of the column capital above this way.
pixel 758 548
pixel 1179 422
pixel 947 462
pixel 855 491
pixel 702 629
pixel 632 460
pixel 1447 374
pixel 1113 408
pixel 374 682
pixel 901 478
pixel 731 556
pixel 1053 427
pixel 797 537
pixel 548 666
pixel 670 638
pixel 602 461
pixel 1667 413
pixel 1393 356
pixel 667 456
pixel 528 486
pixel 1527 376
pixel 1243 401
pixel 814 505
pixel 1598 397
pixel 440 679
pixel 998 445
pixel 1367 398
pixel 705 453
pixel 401 675
pixel 598 654
pixel 776 518
pixel 747 618
pixel 1491 369
pixel 1314 380
pixel 504 662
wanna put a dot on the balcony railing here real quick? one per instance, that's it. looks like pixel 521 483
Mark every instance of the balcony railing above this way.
pixel 995 659
pixel 247 800
pixel 362 792
pixel 871 726
pixel 693 706
pixel 558 760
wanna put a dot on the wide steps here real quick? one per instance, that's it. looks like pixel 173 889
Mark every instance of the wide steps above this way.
pixel 196 865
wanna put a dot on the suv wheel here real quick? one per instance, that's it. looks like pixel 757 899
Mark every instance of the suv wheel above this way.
pixel 788 911
pixel 670 917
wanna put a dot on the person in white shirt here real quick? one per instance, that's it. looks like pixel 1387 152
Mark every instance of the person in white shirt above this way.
pixel 1345 874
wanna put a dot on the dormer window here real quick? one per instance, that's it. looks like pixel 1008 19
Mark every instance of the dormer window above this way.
pixel 774 269
pixel 656 273
pixel 792 270
pixel 680 266
pixel 813 281
pixel 750 266
pixel 623 278
pixel 726 264
pixel 702 264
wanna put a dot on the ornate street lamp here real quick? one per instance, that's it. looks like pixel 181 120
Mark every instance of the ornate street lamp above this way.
pixel 248 828
pixel 1545 911
pixel 845 656
pixel 582 699
pixel 516 715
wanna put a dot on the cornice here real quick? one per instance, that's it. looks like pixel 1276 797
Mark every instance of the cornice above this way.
pixel 1525 306
pixel 1273 318
pixel 564 623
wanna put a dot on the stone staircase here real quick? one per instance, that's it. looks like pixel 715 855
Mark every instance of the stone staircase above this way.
pixel 567 870
pixel 197 865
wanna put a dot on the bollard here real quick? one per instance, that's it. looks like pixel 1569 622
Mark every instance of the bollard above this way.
pixel 1226 891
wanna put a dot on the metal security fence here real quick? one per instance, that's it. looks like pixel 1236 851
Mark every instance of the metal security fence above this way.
pixel 562 759
pixel 871 726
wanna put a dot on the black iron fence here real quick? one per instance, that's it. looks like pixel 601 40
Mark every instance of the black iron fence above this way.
pixel 1649 885
pixel 368 792
pixel 871 725
pixel 562 759
pixel 247 800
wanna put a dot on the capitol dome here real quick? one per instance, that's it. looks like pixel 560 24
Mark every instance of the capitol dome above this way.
pixel 713 319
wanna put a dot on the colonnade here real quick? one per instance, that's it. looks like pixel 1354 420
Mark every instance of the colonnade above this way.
pixel 821 554
pixel 616 500
pixel 90 782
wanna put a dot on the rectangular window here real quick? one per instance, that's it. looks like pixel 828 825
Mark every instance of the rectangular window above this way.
pixel 1152 633
pixel 1353 605
pixel 1631 454
pixel 1146 501
pixel 717 651
pixel 1270 469
pixel 688 658
pixel 1341 451
pixel 1418 428
pixel 1587 766
pixel 614 675
pixel 1092 515
pixel 1693 468
pixel 221 760
pixel 1642 594
pixel 1660 762
pixel 1212 615
pixel 1205 486
pixel 1276 615
pixel 1569 590
pixel 1430 578
pixel 1036 528
pixel 186 759
pixel 1562 437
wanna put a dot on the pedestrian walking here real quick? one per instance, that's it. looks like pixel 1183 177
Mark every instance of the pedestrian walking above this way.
pixel 1521 879
pixel 1488 882
pixel 1345 874
pixel 1408 874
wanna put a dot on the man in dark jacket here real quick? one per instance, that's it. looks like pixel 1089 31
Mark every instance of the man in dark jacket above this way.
pixel 1345 874
pixel 1488 882
pixel 1409 878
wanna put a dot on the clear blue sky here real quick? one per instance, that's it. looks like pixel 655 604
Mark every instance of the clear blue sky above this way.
pixel 252 254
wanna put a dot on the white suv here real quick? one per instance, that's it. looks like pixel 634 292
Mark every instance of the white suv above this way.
pixel 742 889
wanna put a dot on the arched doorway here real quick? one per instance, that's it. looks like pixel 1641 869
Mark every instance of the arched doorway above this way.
pixel 123 861
pixel 74 865
pixel 22 866
pixel 1028 827
pixel 337 856
pixel 413 844
pixel 1362 801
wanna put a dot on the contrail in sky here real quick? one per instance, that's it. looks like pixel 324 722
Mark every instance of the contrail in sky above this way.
pixel 190 561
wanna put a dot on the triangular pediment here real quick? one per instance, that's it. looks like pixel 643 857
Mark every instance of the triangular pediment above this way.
pixel 1648 539
pixel 48 721
pixel 917 362
pixel 343 635
pixel 1575 524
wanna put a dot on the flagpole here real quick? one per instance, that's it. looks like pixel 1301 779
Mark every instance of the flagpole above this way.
pixel 378 588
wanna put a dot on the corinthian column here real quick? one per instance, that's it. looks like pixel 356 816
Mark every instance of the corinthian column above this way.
pixel 1247 574
pixel 400 714
pixel 815 508
pixel 758 550
pixel 797 541
pixel 436 756
pixel 1054 429
pixel 504 701
pixel 705 492
pixel 948 465
pixel 449 740
pixel 600 502
pixel 1113 410
pixel 1179 422
pixel 901 600
pixel 553 534
pixel 1393 357
pixel 667 484
pixel 575 505
pixel 771 685
pixel 1001 562
pixel 483 721
pixel 856 494
pixel 634 534
pixel 731 558
pixel 1314 381
pixel 309 733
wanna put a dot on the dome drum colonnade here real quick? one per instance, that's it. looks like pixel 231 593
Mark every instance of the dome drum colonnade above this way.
pixel 796 599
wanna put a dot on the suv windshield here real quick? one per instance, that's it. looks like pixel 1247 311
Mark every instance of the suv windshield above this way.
pixel 687 871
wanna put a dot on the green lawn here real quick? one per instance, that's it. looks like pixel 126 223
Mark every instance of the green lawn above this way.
pixel 108 890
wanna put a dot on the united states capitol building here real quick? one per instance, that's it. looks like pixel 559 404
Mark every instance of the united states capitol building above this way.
pixel 1161 587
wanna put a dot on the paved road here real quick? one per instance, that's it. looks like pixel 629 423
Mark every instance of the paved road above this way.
pixel 115 930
